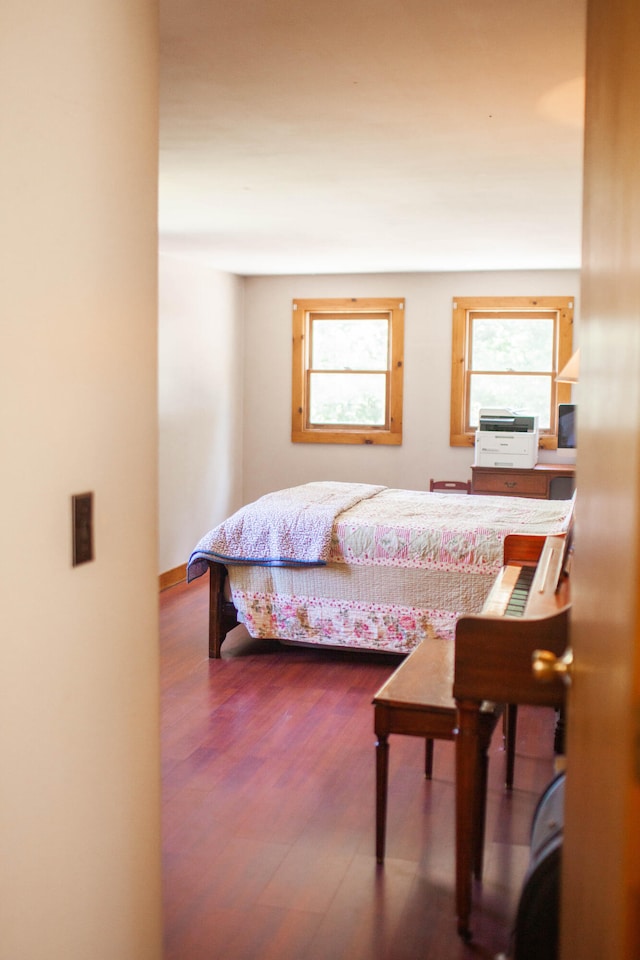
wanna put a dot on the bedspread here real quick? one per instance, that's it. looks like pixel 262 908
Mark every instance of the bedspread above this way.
pixel 288 528
pixel 402 565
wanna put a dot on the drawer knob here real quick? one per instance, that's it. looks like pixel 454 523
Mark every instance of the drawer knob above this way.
pixel 510 483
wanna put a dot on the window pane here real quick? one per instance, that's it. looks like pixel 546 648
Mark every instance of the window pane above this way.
pixel 349 344
pixel 347 398
pixel 508 344
pixel 530 395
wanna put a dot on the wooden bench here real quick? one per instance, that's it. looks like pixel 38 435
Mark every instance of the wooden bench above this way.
pixel 417 700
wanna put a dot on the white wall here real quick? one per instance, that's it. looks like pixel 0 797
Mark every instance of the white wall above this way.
pixel 200 402
pixel 79 789
pixel 271 461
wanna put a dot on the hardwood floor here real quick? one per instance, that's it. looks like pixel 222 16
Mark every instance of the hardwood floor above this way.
pixel 269 807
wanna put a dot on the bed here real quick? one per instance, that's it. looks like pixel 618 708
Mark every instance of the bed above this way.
pixel 360 566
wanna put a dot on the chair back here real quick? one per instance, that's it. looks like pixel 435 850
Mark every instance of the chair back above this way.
pixel 450 486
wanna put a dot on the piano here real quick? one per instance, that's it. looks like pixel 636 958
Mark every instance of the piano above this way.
pixel 527 609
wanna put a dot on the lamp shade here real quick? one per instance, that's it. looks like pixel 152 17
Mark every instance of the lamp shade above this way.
pixel 570 373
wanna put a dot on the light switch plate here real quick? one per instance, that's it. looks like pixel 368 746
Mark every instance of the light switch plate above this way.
pixel 82 516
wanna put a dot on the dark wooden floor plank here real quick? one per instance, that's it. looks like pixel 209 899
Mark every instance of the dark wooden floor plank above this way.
pixel 269 809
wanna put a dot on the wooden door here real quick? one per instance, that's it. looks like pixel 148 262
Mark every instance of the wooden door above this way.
pixel 601 867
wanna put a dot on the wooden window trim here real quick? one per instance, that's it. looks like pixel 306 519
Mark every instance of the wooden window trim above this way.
pixel 463 307
pixel 301 431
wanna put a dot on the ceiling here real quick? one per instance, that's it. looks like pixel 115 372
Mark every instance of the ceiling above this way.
pixel 351 136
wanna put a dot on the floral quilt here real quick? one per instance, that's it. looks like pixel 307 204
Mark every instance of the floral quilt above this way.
pixel 403 566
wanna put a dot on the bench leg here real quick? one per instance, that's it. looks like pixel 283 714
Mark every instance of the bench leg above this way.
pixel 382 778
pixel 428 758
pixel 510 730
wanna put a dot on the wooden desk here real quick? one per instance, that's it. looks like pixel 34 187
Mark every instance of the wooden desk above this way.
pixel 536 482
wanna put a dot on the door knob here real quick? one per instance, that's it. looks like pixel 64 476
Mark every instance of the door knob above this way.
pixel 546 665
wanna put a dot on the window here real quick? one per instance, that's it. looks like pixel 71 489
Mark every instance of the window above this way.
pixel 506 352
pixel 347 371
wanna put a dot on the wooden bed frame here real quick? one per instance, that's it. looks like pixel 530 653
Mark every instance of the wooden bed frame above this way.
pixel 222 613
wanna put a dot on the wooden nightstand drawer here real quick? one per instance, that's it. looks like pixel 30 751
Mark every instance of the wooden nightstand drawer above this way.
pixel 514 482
pixel 503 481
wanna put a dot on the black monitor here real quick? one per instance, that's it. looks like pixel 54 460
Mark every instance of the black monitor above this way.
pixel 566 426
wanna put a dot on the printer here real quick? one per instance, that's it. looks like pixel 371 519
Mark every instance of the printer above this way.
pixel 505 438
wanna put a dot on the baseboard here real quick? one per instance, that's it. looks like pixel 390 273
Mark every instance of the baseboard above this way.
pixel 171 577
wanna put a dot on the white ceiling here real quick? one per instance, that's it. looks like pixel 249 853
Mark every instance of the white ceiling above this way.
pixel 349 136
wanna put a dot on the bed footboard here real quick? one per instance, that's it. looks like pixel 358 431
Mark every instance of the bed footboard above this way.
pixel 222 613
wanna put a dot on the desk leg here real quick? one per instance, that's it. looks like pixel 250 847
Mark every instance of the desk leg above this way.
pixel 468 786
pixel 382 776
